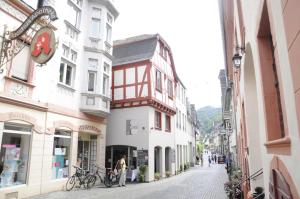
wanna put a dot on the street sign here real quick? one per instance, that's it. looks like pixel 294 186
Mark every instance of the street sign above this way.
pixel 43 45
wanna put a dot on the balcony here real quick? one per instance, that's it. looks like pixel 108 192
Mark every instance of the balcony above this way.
pixel 95 104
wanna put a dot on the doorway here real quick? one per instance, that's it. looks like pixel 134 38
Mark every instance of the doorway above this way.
pixel 87 151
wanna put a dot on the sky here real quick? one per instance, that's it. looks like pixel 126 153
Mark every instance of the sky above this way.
pixel 192 30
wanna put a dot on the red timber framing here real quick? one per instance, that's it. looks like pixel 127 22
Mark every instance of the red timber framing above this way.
pixel 138 100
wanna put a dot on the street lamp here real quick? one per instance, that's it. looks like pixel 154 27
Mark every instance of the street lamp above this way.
pixel 236 59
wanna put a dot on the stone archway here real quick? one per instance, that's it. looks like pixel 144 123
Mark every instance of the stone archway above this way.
pixel 251 118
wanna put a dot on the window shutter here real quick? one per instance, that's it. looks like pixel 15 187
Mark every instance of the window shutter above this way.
pixel 20 64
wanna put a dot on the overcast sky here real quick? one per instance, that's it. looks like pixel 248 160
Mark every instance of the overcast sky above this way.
pixel 192 29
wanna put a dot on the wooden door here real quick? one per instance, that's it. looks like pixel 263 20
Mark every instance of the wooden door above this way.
pixel 278 187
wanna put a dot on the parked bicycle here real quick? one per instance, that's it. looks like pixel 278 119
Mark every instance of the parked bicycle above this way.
pixel 79 178
pixel 113 177
pixel 99 174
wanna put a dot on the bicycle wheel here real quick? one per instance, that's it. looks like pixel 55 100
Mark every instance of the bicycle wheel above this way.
pixel 71 183
pixel 107 181
pixel 91 181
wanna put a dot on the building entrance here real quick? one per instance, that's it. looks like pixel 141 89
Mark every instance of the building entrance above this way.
pixel 87 151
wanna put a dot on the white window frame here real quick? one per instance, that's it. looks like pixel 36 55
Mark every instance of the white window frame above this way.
pixel 66 64
pixel 95 80
pixel 108 33
pixel 105 89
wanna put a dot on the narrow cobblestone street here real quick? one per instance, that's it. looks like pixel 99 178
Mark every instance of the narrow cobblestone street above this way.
pixel 196 183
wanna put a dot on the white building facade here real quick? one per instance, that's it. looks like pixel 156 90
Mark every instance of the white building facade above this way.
pixel 185 130
pixel 54 116
pixel 142 122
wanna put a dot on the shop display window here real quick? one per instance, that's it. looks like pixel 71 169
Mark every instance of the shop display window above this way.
pixel 14 154
pixel 61 154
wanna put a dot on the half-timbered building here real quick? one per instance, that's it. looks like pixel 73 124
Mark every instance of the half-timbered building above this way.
pixel 142 124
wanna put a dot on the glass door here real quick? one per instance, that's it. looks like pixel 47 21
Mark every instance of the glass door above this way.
pixel 83 154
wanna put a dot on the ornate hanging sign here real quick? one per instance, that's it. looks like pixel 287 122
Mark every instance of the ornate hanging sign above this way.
pixel 43 45
pixel 46 10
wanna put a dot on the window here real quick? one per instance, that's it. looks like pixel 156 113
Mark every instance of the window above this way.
pixel 61 154
pixel 95 28
pixel 170 89
pixel 73 56
pixel 161 49
pixel 74 16
pixel 158 81
pixel 274 106
pixel 14 154
pixel 96 23
pixel 92 81
pixel 179 119
pixel 71 32
pixel 105 85
pixel 20 64
pixel 168 123
pixel 109 18
pixel 66 73
pixel 93 63
pixel 65 51
pixel 106 68
pixel 108 33
pixel 157 120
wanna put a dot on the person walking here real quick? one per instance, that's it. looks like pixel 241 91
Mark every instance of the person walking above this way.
pixel 215 157
pixel 209 161
pixel 122 163
pixel 201 159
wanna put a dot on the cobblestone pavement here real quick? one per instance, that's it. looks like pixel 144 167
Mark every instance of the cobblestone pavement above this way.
pixel 196 183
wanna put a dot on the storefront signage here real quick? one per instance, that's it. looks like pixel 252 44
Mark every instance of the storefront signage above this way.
pixel 43 45
pixel 45 10
pixel 142 157
pixel 89 128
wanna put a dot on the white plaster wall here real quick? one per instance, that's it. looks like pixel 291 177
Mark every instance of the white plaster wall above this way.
pixel 130 75
pixel 141 71
pixel 116 127
pixel 130 92
pixel 118 93
pixel 118 78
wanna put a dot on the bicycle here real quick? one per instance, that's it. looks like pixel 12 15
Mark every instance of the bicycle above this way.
pixel 112 177
pixel 81 176
pixel 97 174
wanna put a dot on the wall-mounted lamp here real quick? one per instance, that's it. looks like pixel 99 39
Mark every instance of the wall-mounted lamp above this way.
pixel 236 59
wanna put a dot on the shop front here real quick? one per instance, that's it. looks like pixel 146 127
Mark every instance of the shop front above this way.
pixel 37 152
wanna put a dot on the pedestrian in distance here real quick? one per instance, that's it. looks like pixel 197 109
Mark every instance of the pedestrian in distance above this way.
pixel 209 161
pixel 215 158
pixel 122 163
pixel 201 159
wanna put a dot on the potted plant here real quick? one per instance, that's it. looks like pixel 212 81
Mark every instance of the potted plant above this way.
pixel 168 173
pixel 142 171
pixel 259 193
pixel 180 168
pixel 157 176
